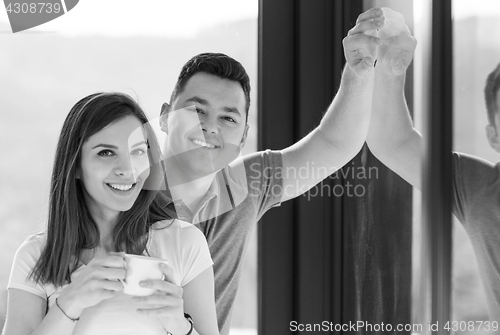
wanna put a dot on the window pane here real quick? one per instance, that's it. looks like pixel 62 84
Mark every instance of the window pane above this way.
pixel 476 53
pixel 137 47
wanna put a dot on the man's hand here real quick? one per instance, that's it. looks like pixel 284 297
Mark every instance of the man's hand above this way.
pixel 360 44
pixel 396 52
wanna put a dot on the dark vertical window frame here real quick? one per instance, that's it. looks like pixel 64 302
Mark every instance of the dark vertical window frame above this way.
pixel 437 183
pixel 276 105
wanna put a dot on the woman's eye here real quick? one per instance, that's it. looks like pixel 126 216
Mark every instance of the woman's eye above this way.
pixel 105 153
pixel 138 152
pixel 200 111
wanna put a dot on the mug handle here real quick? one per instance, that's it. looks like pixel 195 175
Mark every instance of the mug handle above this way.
pixel 164 277
pixel 124 281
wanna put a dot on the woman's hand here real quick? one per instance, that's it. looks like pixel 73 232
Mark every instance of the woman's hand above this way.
pixel 98 281
pixel 167 302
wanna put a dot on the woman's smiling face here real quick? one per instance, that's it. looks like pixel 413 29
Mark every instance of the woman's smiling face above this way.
pixel 114 165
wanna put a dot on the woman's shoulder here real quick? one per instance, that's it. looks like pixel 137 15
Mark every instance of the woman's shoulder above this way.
pixel 184 247
pixel 177 231
pixel 33 244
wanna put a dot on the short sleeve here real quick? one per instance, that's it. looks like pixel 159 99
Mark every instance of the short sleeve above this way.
pixel 195 256
pixel 24 261
pixel 265 179
pixel 471 175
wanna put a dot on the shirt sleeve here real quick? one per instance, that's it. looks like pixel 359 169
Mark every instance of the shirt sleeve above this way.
pixel 470 176
pixel 24 261
pixel 195 256
pixel 265 179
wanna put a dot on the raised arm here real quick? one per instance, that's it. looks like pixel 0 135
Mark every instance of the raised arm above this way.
pixel 392 137
pixel 343 129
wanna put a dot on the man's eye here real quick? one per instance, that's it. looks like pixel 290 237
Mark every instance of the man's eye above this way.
pixel 230 119
pixel 200 111
pixel 105 153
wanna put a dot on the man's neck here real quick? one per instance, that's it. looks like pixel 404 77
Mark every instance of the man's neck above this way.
pixel 193 191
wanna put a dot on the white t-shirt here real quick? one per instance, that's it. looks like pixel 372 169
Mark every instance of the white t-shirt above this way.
pixel 180 243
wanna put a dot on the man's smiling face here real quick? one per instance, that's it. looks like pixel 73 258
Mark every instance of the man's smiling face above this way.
pixel 206 126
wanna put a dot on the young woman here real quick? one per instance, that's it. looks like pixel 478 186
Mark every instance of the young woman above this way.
pixel 67 279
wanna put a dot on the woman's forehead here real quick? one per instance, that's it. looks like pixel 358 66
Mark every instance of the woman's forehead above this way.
pixel 128 130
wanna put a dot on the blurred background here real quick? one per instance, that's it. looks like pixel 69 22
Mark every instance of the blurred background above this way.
pixel 136 47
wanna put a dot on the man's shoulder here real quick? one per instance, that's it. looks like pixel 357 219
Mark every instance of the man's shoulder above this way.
pixel 475 169
pixel 476 181
pixel 257 161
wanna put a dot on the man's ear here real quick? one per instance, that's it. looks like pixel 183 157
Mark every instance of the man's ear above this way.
pixel 165 109
pixel 493 138
pixel 244 137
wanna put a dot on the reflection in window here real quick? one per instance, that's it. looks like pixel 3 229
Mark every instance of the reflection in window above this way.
pixel 475 32
pixel 476 53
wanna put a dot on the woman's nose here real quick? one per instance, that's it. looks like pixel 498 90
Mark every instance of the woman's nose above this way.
pixel 124 168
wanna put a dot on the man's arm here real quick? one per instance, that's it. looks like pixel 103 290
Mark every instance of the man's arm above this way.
pixel 343 129
pixel 392 137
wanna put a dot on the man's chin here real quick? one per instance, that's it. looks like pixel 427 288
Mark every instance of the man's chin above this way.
pixel 191 168
pixel 206 165
pixel 199 163
pixel 206 159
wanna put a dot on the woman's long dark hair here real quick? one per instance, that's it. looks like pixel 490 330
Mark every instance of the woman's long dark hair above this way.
pixel 70 227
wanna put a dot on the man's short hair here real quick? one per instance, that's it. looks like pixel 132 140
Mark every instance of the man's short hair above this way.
pixel 219 65
pixel 490 94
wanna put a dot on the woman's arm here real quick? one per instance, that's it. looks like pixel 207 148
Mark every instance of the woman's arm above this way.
pixel 199 302
pixel 26 316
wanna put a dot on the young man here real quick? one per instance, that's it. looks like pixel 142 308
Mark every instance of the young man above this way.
pixel 476 183
pixel 206 126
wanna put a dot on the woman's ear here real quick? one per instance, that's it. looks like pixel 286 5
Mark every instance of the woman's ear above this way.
pixel 493 138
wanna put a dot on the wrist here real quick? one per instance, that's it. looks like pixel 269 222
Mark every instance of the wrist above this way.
pixel 181 326
pixel 384 69
pixel 351 75
pixel 388 80
pixel 191 323
pixel 69 307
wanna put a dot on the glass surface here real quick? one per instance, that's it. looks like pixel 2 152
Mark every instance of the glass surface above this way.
pixel 137 47
pixel 476 32
pixel 476 28
pixel 421 62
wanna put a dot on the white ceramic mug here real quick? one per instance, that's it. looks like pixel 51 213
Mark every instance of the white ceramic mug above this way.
pixel 139 268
